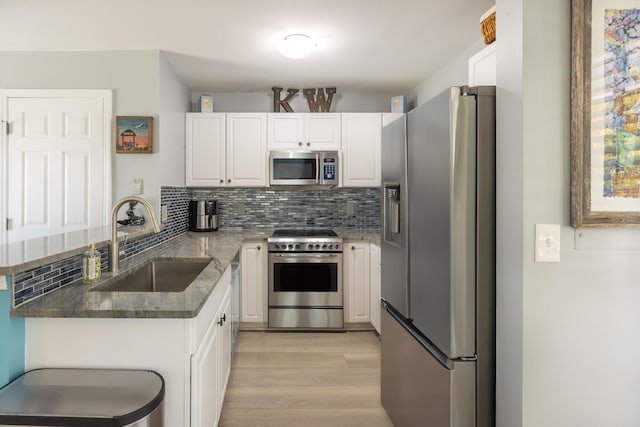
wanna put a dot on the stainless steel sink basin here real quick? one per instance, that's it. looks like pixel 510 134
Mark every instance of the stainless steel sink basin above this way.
pixel 158 275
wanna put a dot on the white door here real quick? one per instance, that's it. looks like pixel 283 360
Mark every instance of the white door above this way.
pixel 322 131
pixel 247 149
pixel 205 150
pixel 58 173
pixel 254 282
pixel 356 282
pixel 361 139
pixel 285 131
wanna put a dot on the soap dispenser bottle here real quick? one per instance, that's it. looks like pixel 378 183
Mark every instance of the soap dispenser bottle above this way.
pixel 91 271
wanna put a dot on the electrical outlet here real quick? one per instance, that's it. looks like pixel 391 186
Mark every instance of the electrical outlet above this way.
pixel 4 285
pixel 351 208
pixel 164 214
pixel 547 245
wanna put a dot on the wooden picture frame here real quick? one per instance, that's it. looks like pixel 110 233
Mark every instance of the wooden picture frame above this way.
pixel 605 104
pixel 134 134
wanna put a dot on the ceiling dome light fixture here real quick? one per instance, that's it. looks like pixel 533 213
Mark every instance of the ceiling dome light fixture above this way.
pixel 296 46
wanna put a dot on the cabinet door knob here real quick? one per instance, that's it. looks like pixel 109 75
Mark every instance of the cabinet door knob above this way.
pixel 258 248
pixel 353 248
pixel 221 181
pixel 300 143
pixel 229 180
pixel 220 322
pixel 308 144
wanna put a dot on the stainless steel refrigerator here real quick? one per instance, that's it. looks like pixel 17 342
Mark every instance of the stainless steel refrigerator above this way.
pixel 438 262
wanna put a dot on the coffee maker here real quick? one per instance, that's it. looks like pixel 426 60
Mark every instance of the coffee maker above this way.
pixel 203 215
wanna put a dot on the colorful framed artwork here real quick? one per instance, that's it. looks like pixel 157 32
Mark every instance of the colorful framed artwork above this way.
pixel 206 104
pixel 605 106
pixel 398 104
pixel 134 134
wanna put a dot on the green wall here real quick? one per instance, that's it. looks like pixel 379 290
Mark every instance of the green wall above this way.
pixel 11 340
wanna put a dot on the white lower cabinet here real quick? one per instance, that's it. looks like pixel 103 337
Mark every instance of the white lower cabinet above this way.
pixel 356 282
pixel 193 355
pixel 210 366
pixel 254 283
pixel 375 280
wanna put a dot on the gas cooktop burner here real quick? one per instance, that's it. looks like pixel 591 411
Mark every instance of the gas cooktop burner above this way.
pixel 297 232
pixel 300 240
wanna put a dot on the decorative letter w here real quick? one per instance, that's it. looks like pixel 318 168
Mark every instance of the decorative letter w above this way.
pixel 319 103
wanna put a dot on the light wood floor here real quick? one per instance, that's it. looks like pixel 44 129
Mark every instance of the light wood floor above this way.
pixel 298 379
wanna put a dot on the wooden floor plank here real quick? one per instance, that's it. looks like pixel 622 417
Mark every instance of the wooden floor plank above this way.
pixel 286 379
pixel 305 417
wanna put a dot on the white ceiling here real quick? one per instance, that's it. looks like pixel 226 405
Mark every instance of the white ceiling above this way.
pixel 230 46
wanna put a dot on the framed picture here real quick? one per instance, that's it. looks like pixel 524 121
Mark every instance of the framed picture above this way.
pixel 134 134
pixel 398 104
pixel 206 104
pixel 605 105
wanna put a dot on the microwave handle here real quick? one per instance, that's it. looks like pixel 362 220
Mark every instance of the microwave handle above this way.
pixel 318 164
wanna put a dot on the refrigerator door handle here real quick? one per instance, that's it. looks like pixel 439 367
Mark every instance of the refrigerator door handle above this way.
pixel 424 342
pixel 391 210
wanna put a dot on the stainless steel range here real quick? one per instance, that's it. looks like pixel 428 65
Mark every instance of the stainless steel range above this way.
pixel 305 279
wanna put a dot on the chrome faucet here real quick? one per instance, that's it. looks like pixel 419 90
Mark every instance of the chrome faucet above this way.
pixel 114 253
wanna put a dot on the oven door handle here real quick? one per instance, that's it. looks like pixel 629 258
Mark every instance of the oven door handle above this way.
pixel 307 255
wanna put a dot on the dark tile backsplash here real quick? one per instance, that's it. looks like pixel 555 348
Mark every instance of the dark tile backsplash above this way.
pixel 237 208
pixel 38 281
pixel 290 208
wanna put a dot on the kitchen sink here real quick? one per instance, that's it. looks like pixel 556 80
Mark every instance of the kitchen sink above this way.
pixel 158 275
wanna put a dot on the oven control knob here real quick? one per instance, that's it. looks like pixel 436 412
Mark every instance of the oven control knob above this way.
pixel 330 246
pixel 297 246
pixel 337 246
pixel 324 246
pixel 317 245
pixel 310 246
pixel 290 246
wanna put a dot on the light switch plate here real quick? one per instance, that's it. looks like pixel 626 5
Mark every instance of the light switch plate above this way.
pixel 3 283
pixel 351 208
pixel 547 246
pixel 137 188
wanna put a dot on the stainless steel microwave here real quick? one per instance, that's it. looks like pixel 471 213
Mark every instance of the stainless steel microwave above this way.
pixel 303 168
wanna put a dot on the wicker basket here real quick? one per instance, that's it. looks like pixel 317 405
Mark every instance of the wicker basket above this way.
pixel 488 26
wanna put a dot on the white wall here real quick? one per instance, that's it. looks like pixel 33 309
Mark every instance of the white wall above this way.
pixel 174 102
pixel 134 78
pixel 263 102
pixel 453 73
pixel 580 316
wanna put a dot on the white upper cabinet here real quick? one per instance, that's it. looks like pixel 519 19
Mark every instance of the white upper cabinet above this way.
pixel 226 150
pixel 304 131
pixel 205 153
pixel 361 139
pixel 482 67
pixel 247 149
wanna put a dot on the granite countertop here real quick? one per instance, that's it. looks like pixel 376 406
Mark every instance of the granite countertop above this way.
pixel 26 254
pixel 351 234
pixel 77 299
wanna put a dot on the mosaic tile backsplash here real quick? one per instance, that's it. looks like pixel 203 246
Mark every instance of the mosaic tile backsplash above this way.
pixel 291 208
pixel 237 208
pixel 38 281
